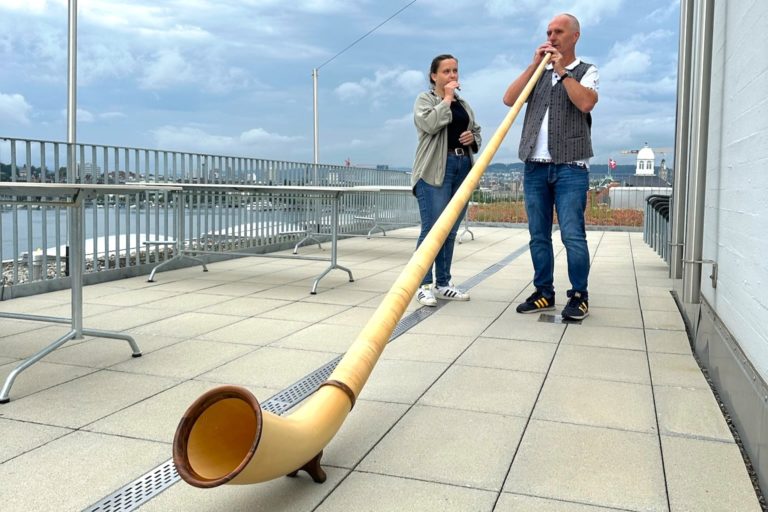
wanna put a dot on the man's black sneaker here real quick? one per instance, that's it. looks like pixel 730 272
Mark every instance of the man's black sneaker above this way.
pixel 577 307
pixel 537 302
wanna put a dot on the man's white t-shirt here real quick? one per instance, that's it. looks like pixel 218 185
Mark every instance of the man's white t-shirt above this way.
pixel 591 80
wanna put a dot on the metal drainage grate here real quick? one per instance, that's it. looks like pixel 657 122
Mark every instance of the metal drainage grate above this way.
pixel 157 480
pixel 140 490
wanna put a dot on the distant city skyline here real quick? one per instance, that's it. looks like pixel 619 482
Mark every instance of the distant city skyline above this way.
pixel 234 77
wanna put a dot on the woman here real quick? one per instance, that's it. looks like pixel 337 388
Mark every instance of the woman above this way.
pixel 447 133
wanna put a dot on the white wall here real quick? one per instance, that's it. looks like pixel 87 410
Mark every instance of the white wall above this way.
pixel 736 217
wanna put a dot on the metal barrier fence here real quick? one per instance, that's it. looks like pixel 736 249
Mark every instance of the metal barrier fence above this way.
pixel 656 225
pixel 33 239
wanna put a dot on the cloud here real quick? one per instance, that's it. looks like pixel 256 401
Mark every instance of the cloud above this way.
pixel 663 13
pixel 196 139
pixel 104 61
pixel 168 69
pixel 589 12
pixel 385 83
pixel 259 136
pixel 14 108
pixel 33 6
pixel 112 115
pixel 632 63
pixel 86 116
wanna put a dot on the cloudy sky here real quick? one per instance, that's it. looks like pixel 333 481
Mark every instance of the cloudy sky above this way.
pixel 234 77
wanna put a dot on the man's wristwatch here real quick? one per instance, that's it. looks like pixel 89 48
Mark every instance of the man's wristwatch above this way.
pixel 565 75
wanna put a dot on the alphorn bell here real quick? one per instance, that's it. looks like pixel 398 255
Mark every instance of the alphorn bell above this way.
pixel 225 437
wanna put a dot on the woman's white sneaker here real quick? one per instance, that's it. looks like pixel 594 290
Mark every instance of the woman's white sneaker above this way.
pixel 425 296
pixel 450 292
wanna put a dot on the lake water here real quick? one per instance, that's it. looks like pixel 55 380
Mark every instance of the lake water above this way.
pixel 112 223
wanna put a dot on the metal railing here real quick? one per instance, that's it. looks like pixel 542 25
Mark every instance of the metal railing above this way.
pixel 656 225
pixel 33 239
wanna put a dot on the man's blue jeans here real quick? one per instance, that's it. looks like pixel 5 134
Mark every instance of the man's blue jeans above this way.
pixel 432 202
pixel 565 187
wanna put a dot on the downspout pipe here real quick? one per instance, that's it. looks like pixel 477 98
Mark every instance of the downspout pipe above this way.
pixel 682 134
pixel 697 179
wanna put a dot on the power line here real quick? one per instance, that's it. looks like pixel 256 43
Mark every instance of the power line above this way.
pixel 366 34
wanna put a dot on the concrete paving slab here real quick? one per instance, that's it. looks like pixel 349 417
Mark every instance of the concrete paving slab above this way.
pixel 366 492
pixel 436 325
pixel 184 360
pixel 527 356
pixel 626 289
pixel 306 312
pixel 322 337
pixel 74 471
pixel 476 307
pixel 20 437
pixel 590 465
pixel 601 363
pixel 281 291
pixel 121 320
pixel 656 303
pixel 598 403
pixel 255 331
pixel 518 503
pixel 590 335
pixel 84 400
pixel 489 390
pixel 676 370
pixel 613 300
pixel 464 448
pixel 237 289
pixel 136 297
pixel 186 325
pixel 14 327
pixel 667 320
pixel 690 412
pixel 426 347
pixel 366 424
pixel 343 296
pixel 41 375
pixel 89 311
pixel 156 418
pixel 283 494
pixel 268 367
pixel 614 317
pixel 672 342
pixel 356 316
pixel 24 344
pixel 30 305
pixel 401 381
pixel 649 291
pixel 515 326
pixel 185 285
pixel 720 481
pixel 243 306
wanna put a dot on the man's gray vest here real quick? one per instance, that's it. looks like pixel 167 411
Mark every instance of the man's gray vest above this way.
pixel 570 136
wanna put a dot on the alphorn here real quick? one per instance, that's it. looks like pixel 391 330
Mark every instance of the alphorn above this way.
pixel 225 437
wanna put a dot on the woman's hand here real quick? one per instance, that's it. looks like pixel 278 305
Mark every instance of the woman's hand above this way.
pixel 467 138
pixel 449 89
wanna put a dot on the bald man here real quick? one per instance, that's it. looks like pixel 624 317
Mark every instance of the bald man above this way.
pixel 556 145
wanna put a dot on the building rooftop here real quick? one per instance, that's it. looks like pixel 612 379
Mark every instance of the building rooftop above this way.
pixel 474 407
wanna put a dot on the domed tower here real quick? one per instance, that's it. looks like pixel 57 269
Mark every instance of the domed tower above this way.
pixel 646 162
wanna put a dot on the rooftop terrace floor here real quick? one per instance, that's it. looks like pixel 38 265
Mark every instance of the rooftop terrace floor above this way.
pixel 475 407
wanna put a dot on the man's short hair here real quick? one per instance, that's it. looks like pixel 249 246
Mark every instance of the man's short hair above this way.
pixel 574 21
